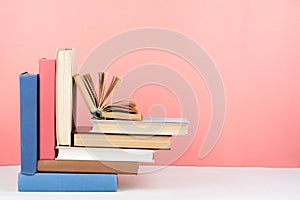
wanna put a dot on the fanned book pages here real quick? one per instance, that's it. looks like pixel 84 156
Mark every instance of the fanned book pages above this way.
pixel 98 103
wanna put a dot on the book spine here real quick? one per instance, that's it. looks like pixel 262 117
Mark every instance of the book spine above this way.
pixel 65 66
pixel 79 166
pixel 105 154
pixel 67 182
pixel 47 109
pixel 28 121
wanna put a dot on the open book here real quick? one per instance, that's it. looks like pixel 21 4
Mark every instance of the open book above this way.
pixel 97 103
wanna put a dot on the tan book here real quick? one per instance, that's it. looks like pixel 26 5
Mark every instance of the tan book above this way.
pixel 65 97
pixel 98 104
pixel 83 138
pixel 87 166
pixel 147 126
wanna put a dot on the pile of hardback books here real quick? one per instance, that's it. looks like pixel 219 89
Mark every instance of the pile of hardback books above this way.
pixel 58 156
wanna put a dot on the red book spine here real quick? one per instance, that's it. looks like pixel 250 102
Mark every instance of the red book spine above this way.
pixel 47 109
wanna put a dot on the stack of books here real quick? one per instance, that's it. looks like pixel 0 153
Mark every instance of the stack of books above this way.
pixel 58 156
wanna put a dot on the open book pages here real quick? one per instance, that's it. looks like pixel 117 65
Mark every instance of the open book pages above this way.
pixel 98 103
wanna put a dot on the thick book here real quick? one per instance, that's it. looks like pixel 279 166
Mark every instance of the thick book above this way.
pixel 47 108
pixel 83 138
pixel 28 121
pixel 147 126
pixel 97 102
pixel 67 182
pixel 88 166
pixel 104 154
pixel 65 67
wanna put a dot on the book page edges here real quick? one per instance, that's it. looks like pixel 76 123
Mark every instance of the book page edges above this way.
pixel 83 90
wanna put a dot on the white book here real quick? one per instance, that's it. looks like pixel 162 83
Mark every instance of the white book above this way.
pixel 104 154
pixel 147 126
pixel 65 67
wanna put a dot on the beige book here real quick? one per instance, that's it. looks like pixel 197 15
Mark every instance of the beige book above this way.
pixel 147 126
pixel 83 138
pixel 65 67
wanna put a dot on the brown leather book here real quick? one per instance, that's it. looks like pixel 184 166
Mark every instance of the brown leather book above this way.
pixel 91 166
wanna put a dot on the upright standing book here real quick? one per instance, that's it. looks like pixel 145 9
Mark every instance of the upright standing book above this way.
pixel 65 67
pixel 47 109
pixel 67 182
pixel 28 121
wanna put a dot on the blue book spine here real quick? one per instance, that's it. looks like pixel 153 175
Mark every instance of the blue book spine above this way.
pixel 67 182
pixel 28 121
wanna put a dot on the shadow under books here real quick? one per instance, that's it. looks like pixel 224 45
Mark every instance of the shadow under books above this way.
pixel 131 182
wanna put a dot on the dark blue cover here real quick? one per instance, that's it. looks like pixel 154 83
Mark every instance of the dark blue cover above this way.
pixel 67 182
pixel 28 121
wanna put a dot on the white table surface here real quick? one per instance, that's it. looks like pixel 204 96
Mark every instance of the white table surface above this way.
pixel 179 183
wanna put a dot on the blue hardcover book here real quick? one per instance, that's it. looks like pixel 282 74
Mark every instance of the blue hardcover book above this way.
pixel 28 121
pixel 67 182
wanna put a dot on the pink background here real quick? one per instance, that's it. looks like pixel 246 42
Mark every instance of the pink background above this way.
pixel 255 45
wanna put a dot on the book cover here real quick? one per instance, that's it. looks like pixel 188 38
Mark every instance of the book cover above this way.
pixel 28 121
pixel 83 138
pixel 47 108
pixel 67 182
pixel 65 67
pixel 147 126
pixel 88 166
pixel 104 154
